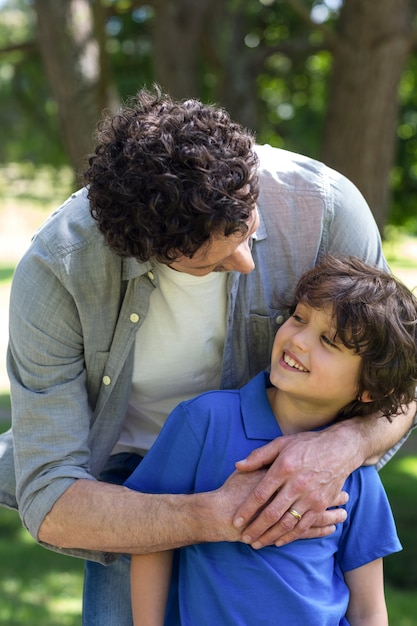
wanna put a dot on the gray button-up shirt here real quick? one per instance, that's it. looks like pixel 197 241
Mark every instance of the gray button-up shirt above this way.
pixel 76 306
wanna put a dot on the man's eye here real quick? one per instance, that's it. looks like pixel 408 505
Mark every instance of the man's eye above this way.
pixel 328 341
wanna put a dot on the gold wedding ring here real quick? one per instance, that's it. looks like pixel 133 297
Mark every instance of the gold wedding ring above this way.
pixel 295 514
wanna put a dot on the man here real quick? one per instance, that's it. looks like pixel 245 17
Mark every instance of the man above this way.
pixel 173 265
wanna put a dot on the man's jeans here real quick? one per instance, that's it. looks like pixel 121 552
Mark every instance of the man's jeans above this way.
pixel 106 596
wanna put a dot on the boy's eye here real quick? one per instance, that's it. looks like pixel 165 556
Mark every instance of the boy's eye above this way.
pixel 328 341
pixel 298 318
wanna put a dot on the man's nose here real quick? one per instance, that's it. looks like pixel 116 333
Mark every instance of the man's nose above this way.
pixel 241 259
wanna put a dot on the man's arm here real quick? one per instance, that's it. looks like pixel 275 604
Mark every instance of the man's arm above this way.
pixel 93 515
pixel 307 474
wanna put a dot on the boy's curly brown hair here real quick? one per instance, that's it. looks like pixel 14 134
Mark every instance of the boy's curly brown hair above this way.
pixel 167 175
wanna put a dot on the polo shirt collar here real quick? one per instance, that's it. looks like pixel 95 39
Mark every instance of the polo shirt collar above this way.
pixel 258 418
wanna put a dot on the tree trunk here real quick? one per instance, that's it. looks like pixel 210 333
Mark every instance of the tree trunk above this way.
pixel 71 56
pixel 237 66
pixel 360 131
pixel 194 40
pixel 176 37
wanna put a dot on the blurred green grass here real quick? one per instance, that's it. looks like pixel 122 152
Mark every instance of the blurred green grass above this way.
pixel 37 586
pixel 6 273
pixel 399 477
pixel 5 401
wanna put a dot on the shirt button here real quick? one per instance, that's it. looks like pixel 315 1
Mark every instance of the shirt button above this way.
pixel 151 275
pixel 106 380
pixel 279 319
pixel 134 318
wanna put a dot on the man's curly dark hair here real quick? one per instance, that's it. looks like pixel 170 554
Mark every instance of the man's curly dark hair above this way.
pixel 167 175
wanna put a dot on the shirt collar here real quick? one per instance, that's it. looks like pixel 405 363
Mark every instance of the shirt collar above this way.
pixel 132 268
pixel 258 418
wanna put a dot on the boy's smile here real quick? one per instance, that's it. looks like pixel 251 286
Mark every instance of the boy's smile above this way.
pixel 292 362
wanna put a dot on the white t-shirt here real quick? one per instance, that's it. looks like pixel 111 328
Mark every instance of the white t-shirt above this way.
pixel 178 351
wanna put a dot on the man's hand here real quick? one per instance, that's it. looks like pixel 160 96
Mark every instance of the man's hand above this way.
pixel 306 474
pixel 236 490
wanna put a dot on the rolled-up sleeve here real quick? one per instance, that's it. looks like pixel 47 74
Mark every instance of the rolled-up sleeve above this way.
pixel 51 414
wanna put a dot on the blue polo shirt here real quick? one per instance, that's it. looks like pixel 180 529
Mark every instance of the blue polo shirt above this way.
pixel 230 583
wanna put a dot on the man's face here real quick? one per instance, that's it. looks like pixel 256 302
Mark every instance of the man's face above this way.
pixel 222 254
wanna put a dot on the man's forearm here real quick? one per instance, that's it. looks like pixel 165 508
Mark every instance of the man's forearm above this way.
pixel 93 515
pixel 110 518
pixel 376 435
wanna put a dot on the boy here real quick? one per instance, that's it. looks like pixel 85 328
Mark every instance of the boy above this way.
pixel 347 349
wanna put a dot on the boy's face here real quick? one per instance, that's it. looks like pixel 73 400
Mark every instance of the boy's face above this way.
pixel 310 365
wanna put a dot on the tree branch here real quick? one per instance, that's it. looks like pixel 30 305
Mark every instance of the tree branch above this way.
pixel 24 46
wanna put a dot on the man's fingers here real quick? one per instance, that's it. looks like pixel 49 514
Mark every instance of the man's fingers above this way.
pixel 260 503
pixel 341 499
pixel 288 525
pixel 261 457
pixel 292 525
pixel 314 532
pixel 324 524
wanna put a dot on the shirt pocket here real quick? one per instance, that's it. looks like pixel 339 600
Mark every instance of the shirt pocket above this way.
pixel 262 331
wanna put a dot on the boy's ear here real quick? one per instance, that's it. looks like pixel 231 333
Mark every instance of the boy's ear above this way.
pixel 365 397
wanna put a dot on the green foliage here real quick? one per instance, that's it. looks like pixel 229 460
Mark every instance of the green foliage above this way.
pixel 400 481
pixel 400 249
pixel 294 97
pixel 130 47
pixel 404 174
pixel 402 606
pixel 30 187
pixel 289 56
pixel 293 81
pixel 6 273
pixel 27 110
pixel 5 407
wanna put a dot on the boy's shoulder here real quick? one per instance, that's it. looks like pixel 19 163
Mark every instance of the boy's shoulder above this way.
pixel 214 398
